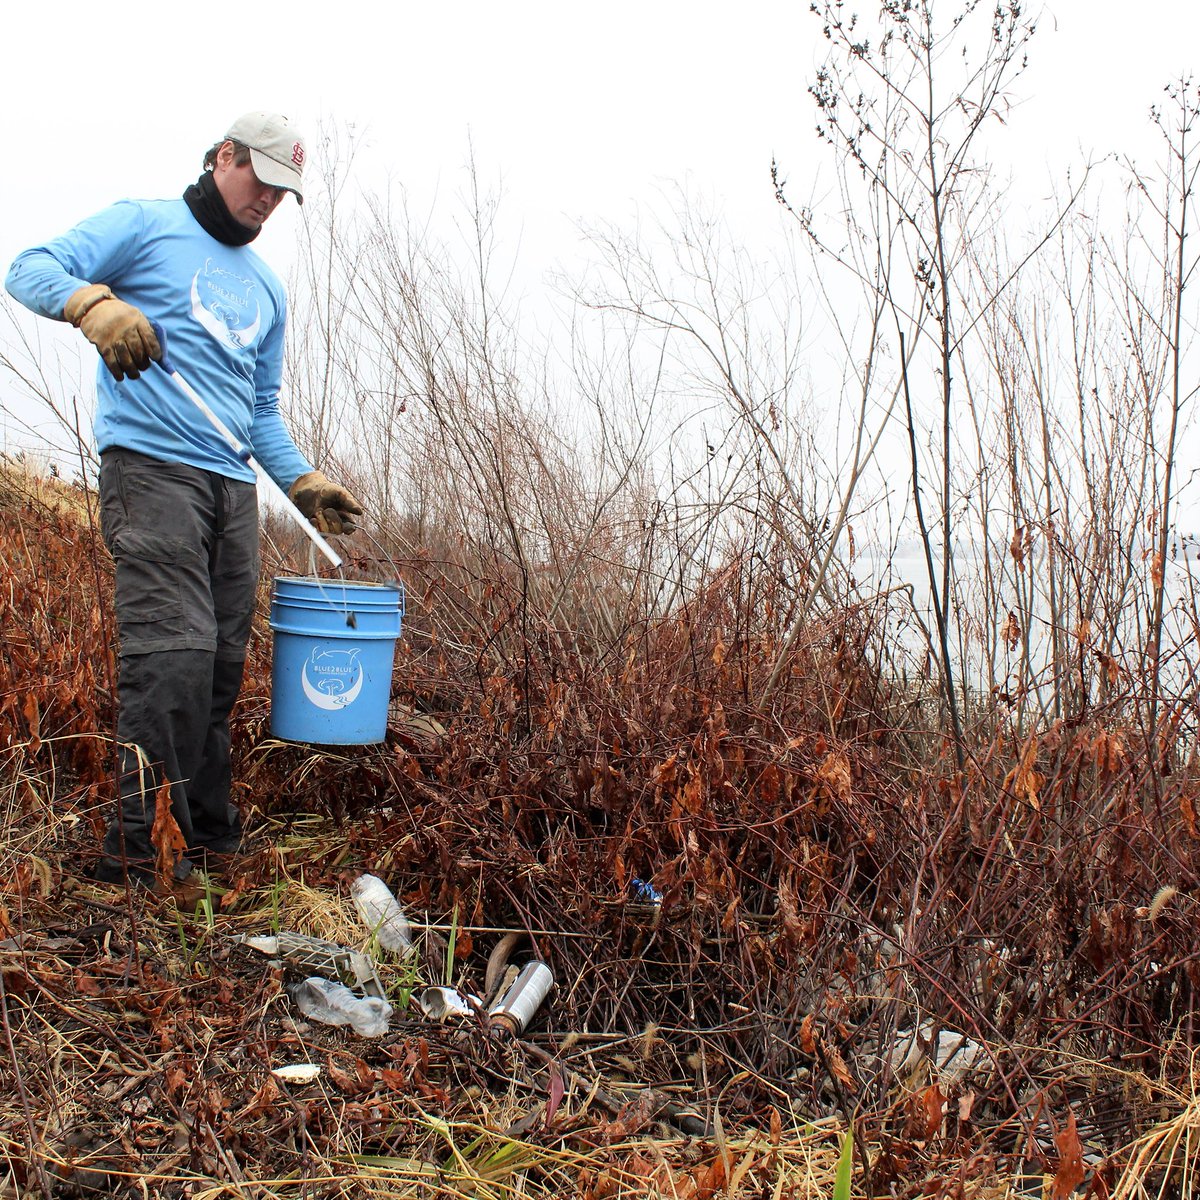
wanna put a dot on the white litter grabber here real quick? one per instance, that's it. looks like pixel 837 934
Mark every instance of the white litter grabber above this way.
pixel 243 452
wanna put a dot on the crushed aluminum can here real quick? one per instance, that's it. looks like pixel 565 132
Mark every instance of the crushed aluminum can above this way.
pixel 447 1003
pixel 515 1008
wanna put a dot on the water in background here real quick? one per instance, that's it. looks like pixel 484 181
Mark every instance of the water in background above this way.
pixel 982 628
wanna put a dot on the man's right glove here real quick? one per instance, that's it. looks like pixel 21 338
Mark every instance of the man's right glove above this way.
pixel 329 507
pixel 119 331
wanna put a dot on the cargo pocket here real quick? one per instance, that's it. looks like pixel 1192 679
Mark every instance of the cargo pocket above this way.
pixel 148 593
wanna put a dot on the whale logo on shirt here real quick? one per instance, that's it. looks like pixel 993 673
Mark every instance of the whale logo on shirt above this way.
pixel 225 305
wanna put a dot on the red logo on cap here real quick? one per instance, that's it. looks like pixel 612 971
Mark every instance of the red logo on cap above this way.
pixel 298 154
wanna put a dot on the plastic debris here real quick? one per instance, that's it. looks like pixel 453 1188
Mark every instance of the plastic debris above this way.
pixel 297 1072
pixel 313 956
pixel 644 891
pixel 382 914
pixel 953 1055
pixel 335 1004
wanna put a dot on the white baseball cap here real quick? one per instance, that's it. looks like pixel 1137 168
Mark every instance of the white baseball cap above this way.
pixel 276 148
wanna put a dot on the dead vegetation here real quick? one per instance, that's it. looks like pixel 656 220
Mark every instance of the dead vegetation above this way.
pixel 985 977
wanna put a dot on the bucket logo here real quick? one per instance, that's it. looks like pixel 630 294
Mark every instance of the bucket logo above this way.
pixel 332 679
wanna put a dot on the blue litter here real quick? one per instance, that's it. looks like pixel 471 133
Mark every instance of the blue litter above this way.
pixel 641 890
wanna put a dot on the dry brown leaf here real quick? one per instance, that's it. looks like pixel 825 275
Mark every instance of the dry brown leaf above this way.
pixel 33 720
pixel 1011 631
pixel 710 1178
pixel 808 1040
pixel 933 1108
pixel 834 775
pixel 234 893
pixel 1107 751
pixel 555 1091
pixel 1156 569
pixel 691 796
pixel 1069 1174
pixel 837 1066
pixel 262 1100
pixel 1187 810
pixel 664 773
pixel 86 985
pixel 1108 664
pixel 1017 547
pixel 789 911
pixel 1024 780
pixel 342 1080
pixel 166 836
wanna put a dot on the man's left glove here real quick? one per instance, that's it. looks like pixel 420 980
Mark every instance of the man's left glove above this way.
pixel 118 330
pixel 329 507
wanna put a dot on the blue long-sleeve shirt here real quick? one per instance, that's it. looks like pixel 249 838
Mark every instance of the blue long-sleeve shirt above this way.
pixel 223 311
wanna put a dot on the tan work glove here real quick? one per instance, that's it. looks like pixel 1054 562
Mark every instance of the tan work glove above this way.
pixel 329 507
pixel 119 331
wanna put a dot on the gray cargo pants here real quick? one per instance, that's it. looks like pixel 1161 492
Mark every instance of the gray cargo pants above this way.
pixel 186 547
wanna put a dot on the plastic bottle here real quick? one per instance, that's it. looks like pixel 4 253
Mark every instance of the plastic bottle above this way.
pixel 381 913
pixel 335 1004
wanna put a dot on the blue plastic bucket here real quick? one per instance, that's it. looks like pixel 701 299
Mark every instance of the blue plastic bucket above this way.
pixel 331 675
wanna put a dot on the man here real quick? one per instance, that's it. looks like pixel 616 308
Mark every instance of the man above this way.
pixel 178 507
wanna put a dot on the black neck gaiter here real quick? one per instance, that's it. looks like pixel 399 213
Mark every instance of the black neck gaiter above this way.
pixel 204 199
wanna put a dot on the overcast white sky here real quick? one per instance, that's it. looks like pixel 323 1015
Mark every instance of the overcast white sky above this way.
pixel 581 111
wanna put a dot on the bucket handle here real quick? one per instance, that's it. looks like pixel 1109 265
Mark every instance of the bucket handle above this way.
pixel 351 618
